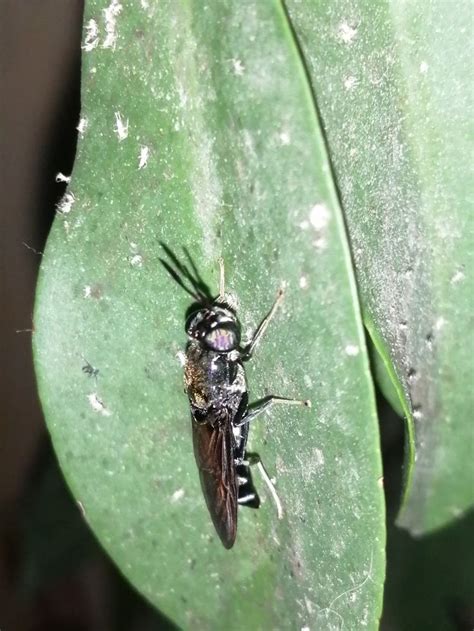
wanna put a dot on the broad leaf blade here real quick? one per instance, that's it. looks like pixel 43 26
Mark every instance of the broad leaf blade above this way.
pixel 235 165
pixel 390 82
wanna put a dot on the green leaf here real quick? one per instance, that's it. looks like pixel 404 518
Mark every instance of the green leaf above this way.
pixel 390 83
pixel 384 374
pixel 201 133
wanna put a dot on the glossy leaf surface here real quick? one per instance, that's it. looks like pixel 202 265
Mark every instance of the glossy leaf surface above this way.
pixel 199 130
pixel 391 83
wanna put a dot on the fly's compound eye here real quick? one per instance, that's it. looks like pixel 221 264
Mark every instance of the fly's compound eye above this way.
pixel 222 339
pixel 192 324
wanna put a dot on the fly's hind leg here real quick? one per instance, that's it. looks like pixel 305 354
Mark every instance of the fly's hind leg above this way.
pixel 253 459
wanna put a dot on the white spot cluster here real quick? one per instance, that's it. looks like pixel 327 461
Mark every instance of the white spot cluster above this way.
pixel 238 67
pixel 285 138
pixel 350 82
pixel 110 17
pixel 177 495
pixel 318 457
pixel 457 277
pixel 97 405
pixel 82 125
pixel 346 32
pixel 91 39
pixel 60 177
pixel 121 126
pixel 143 157
pixel 136 260
pixel 352 350
pixel 319 217
pixel 65 205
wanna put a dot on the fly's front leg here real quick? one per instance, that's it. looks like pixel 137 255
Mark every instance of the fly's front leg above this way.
pixel 252 459
pixel 262 405
pixel 257 336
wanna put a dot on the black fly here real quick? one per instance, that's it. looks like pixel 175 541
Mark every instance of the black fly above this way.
pixel 216 386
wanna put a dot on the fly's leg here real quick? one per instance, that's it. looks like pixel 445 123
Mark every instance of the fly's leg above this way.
pixel 262 405
pixel 257 336
pixel 252 459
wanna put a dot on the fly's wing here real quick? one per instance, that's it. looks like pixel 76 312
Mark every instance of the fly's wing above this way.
pixel 213 449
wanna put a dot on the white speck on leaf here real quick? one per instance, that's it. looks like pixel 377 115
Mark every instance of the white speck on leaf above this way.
pixel 87 291
pixel 177 495
pixel 60 177
pixel 82 125
pixel 457 277
pixel 424 67
pixel 121 126
pixel 318 457
pixel 238 67
pixel 352 350
pixel 65 205
pixel 319 216
pixel 136 260
pixel 439 324
pixel 97 404
pixel 110 17
pixel 182 94
pixel 320 243
pixel 303 282
pixel 91 39
pixel 346 32
pixel 143 157
pixel 350 82
pixel 284 138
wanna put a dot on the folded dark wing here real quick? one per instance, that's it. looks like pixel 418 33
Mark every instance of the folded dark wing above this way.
pixel 213 449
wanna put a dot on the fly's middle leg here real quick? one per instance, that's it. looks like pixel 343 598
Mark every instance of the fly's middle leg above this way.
pixel 260 406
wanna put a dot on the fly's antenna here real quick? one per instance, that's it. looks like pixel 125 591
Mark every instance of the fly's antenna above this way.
pixel 197 297
pixel 180 273
pixel 221 280
pixel 197 280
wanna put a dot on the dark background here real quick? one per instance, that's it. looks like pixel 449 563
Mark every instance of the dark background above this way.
pixel 53 574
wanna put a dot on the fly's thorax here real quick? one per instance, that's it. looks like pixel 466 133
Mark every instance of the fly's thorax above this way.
pixel 215 328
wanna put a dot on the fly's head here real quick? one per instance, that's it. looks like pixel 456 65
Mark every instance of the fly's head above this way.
pixel 215 327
